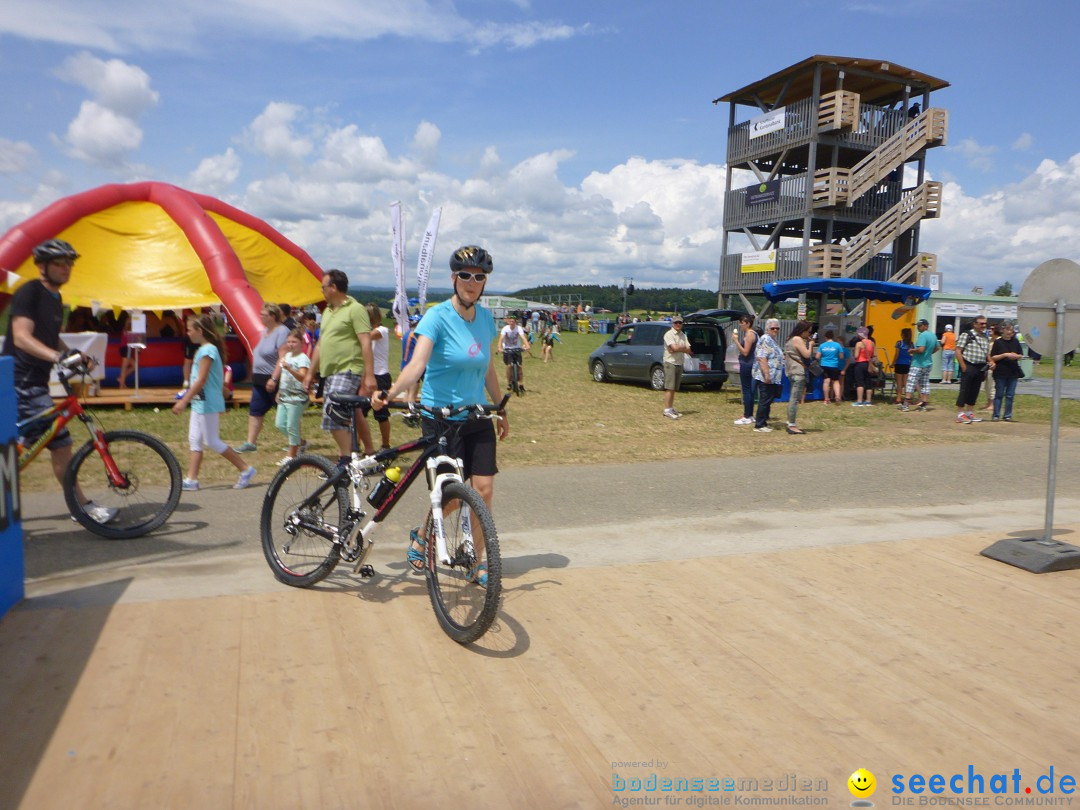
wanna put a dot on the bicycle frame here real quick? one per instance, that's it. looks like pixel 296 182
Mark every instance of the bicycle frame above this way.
pixel 62 413
pixel 355 538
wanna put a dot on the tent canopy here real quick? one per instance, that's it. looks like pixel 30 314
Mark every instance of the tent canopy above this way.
pixel 153 246
pixel 849 287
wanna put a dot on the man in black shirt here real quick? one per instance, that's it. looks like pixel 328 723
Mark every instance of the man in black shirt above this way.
pixel 33 339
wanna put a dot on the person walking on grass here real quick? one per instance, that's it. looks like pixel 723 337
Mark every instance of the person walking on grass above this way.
pixel 676 347
pixel 292 399
pixel 344 359
pixel 973 356
pixel 744 338
pixel 268 352
pixel 207 400
pixel 380 352
pixel 1006 353
pixel 768 372
pixel 922 358
pixel 831 354
pixel 798 352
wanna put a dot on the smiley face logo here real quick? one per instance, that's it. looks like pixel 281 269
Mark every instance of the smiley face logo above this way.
pixel 862 784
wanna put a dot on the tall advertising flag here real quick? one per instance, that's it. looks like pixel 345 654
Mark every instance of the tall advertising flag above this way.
pixel 397 254
pixel 423 261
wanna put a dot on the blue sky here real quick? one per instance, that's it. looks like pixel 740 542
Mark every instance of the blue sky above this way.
pixel 577 141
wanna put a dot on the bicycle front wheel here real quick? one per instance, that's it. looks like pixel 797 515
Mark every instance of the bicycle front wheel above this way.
pixel 298 529
pixel 144 501
pixel 464 604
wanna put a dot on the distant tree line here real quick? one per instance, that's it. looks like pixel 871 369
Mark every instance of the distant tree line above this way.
pixel 653 299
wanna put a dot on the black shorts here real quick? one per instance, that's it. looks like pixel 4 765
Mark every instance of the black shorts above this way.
pixel 831 372
pixel 513 356
pixel 862 375
pixel 474 443
pixel 125 352
pixel 901 368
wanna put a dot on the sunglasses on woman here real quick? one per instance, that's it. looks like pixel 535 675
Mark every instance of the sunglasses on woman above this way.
pixel 465 275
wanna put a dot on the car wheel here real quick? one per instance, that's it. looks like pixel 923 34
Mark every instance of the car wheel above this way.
pixel 599 373
pixel 656 378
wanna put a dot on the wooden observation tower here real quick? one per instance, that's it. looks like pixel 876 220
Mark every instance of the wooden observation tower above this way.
pixel 826 164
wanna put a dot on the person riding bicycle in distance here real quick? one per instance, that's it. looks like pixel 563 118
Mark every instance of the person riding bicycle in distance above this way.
pixel 33 339
pixel 512 342
pixel 453 351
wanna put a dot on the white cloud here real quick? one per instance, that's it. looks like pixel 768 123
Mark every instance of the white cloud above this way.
pixel 105 131
pixel 977 156
pixel 215 174
pixel 1024 142
pixel 120 26
pixel 99 135
pixel 271 133
pixel 425 143
pixel 1004 234
pixel 15 156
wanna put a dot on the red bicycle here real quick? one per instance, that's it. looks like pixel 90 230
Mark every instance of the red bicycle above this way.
pixel 121 483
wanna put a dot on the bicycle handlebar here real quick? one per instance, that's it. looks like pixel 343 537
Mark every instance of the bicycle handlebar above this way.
pixel 484 410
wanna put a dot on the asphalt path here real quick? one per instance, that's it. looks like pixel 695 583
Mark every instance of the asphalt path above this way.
pixel 607 514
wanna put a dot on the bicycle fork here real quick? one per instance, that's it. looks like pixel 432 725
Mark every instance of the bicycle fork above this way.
pixel 436 482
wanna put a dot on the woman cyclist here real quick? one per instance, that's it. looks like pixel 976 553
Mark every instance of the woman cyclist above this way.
pixel 453 351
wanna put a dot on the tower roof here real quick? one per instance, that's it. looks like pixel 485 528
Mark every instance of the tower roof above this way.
pixel 875 80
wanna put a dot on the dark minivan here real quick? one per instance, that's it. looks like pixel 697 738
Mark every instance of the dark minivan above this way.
pixel 636 352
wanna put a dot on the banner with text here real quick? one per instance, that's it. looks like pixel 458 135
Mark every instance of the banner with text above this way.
pixel 423 261
pixel 397 254
pixel 759 261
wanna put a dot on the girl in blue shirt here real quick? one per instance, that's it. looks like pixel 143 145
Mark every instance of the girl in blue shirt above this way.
pixel 206 396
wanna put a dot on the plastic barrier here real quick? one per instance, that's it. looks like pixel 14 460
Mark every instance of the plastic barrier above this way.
pixel 11 535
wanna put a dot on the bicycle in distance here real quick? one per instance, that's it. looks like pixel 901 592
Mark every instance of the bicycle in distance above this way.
pixel 315 515
pixel 515 371
pixel 121 483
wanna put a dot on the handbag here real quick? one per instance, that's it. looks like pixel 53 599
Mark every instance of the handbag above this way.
pixel 813 368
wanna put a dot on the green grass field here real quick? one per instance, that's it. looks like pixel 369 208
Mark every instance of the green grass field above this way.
pixel 566 419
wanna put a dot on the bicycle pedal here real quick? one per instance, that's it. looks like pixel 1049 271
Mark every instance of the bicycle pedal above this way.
pixel 366 571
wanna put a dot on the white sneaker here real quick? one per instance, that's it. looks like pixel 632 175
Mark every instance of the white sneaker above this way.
pixel 245 478
pixel 765 429
pixel 190 485
pixel 100 514
pixel 670 413
pixel 744 421
pixel 282 462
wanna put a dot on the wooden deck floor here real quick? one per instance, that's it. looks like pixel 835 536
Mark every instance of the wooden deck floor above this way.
pixel 914 656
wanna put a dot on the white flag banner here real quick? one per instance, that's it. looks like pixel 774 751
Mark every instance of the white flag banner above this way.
pixel 423 261
pixel 397 254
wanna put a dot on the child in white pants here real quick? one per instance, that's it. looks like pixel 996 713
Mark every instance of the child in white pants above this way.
pixel 207 400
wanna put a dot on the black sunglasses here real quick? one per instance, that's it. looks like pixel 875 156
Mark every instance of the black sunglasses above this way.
pixel 465 275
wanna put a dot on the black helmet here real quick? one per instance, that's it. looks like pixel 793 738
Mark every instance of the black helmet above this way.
pixel 52 250
pixel 471 256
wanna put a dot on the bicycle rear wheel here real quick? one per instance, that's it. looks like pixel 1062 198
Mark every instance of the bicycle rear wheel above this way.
pixel 294 527
pixel 515 378
pixel 464 607
pixel 150 492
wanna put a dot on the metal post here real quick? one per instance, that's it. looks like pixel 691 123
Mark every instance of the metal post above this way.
pixel 1055 417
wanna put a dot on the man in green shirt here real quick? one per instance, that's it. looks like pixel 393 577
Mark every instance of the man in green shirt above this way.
pixel 343 358
pixel 922 357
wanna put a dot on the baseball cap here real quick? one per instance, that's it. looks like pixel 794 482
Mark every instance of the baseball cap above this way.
pixel 922 322
pixel 677 319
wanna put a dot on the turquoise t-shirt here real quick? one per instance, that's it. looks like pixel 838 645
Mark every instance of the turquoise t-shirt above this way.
pixel 925 359
pixel 459 357
pixel 831 354
pixel 211 399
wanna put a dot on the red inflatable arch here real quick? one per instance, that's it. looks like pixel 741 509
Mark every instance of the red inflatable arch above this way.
pixel 197 216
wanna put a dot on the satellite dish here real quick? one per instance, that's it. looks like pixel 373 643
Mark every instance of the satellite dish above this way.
pixel 1049 282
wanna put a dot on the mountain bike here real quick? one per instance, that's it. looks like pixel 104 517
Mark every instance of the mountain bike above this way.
pixel 120 484
pixel 515 371
pixel 315 515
